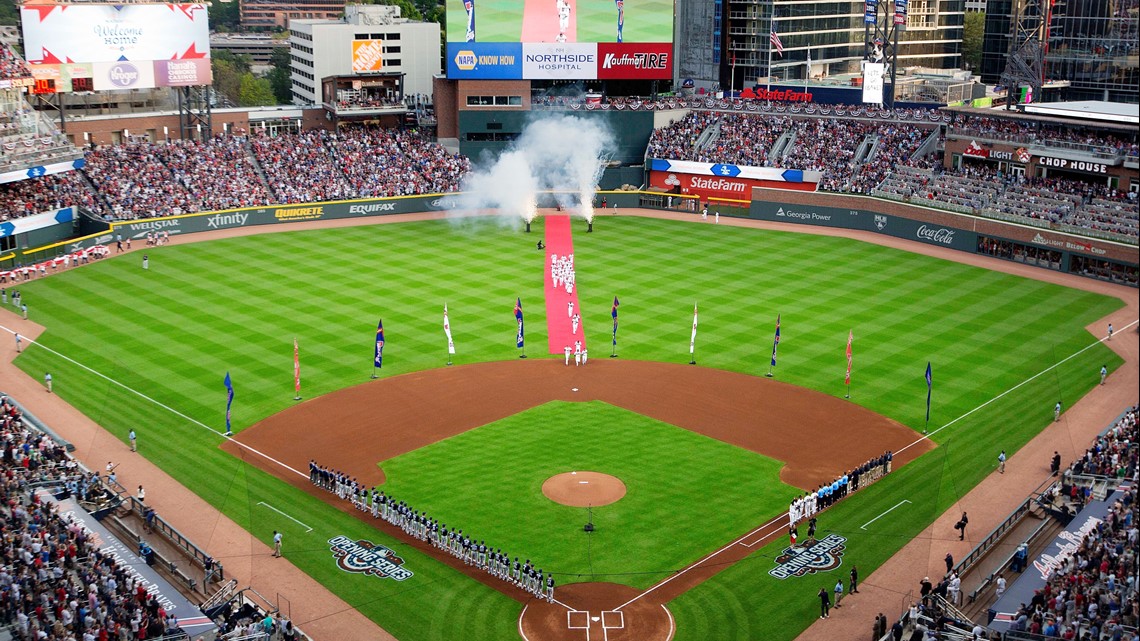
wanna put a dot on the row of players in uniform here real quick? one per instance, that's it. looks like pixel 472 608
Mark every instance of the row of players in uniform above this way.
pixel 806 506
pixel 495 562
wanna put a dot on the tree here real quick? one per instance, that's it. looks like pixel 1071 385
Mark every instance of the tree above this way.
pixel 225 16
pixel 973 32
pixel 227 78
pixel 255 92
pixel 280 75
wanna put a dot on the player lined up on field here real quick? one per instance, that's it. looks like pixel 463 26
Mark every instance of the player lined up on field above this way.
pixel 827 494
pixel 473 552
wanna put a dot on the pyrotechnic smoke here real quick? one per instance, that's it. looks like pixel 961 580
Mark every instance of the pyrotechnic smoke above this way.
pixel 559 154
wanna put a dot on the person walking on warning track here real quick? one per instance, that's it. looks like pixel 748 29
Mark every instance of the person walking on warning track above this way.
pixel 20 339
pixel 1103 373
pixel 1001 462
pixel 276 544
pixel 134 441
pixel 824 603
pixel 1110 331
pixel 1057 412
pixel 854 587
pixel 47 381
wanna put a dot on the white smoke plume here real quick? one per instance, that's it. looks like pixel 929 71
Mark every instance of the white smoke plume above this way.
pixel 560 154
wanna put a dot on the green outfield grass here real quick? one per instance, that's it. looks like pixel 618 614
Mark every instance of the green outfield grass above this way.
pixel 236 305
pixel 596 20
pixel 469 478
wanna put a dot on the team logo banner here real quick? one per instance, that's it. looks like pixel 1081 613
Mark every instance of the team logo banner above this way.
pixel 366 557
pixel 821 556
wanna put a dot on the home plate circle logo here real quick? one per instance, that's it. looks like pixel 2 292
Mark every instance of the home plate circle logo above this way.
pixel 366 557
pixel 821 556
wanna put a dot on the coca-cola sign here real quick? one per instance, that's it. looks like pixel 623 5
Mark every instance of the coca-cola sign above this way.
pixel 939 235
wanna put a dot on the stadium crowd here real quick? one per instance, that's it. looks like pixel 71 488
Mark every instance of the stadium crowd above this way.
pixel 12 66
pixel 144 179
pixel 463 546
pixel 55 583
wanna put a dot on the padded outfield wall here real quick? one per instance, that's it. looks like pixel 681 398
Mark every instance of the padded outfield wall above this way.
pixel 861 213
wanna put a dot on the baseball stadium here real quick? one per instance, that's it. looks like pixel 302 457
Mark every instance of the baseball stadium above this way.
pixel 838 353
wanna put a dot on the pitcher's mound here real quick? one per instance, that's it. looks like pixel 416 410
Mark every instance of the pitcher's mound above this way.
pixel 581 489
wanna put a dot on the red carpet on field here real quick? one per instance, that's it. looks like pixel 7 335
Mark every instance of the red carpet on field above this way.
pixel 540 21
pixel 560 242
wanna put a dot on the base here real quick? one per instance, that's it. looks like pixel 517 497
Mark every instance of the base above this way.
pixel 522 355
pixel 375 376
pixel 589 527
pixel 769 375
pixel 693 362
pixel 846 396
pixel 449 364
pixel 613 355
pixel 296 398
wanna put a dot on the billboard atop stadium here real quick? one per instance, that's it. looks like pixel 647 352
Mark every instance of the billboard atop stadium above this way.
pixel 95 47
pixel 559 40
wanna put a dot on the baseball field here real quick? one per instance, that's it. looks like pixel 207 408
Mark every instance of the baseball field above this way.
pixel 471 444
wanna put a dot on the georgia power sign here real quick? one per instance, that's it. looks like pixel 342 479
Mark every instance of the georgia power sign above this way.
pixel 368 558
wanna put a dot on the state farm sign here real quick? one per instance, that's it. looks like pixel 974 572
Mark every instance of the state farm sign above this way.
pixel 704 186
pixel 635 60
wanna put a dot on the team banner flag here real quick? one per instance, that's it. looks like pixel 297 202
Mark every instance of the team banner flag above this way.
pixel 229 401
pixel 613 313
pixel 850 335
pixel 693 337
pixel 776 342
pixel 929 386
pixel 519 318
pixel 378 356
pixel 296 368
pixel 447 332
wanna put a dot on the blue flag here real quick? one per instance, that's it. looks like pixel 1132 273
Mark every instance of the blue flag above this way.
pixel 519 318
pixel 613 312
pixel 378 356
pixel 929 386
pixel 229 401
pixel 776 342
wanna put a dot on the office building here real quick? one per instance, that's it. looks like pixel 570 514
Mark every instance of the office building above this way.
pixel 279 13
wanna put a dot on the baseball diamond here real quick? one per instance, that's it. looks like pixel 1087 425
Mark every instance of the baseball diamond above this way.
pixel 452 441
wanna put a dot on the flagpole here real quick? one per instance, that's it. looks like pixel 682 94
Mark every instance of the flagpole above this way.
pixel 693 339
pixel 771 26
pixel 296 371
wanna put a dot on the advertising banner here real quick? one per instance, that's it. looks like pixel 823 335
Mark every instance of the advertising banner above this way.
pixel 195 72
pixel 873 82
pixel 367 55
pixel 61 33
pixel 41 170
pixel 775 174
pixel 123 75
pixel 484 60
pixel 641 61
pixel 556 61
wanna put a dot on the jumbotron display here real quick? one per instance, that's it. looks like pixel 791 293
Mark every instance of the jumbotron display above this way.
pixel 559 39
pixel 96 47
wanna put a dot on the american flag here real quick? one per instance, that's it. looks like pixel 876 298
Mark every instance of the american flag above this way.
pixel 774 40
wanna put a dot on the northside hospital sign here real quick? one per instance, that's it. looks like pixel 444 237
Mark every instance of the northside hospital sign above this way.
pixel 559 61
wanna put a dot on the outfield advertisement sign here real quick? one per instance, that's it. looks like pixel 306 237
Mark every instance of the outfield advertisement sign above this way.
pixel 559 61
pixel 864 220
pixel 484 60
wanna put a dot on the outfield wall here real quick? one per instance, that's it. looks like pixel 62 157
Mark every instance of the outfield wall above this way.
pixel 929 226
pixel 920 224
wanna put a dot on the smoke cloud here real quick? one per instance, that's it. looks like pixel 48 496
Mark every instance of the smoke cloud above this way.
pixel 556 160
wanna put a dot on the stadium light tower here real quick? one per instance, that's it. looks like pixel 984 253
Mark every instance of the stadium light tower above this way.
pixel 882 22
pixel 1025 66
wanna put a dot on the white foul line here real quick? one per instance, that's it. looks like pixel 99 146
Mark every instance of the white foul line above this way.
pixel 924 437
pixel 307 528
pixel 165 407
pixel 1044 371
pixel 864 526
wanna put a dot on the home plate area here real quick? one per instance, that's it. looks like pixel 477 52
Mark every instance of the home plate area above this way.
pixel 596 612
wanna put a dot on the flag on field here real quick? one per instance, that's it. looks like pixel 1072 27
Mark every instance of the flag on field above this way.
pixel 519 317
pixel 774 40
pixel 378 356
pixel 613 312
pixel 850 335
pixel 229 401
pixel 447 332
pixel 296 368
pixel 693 338
pixel 929 386
pixel 776 342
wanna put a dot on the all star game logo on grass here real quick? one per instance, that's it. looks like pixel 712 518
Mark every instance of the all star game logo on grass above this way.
pixel 821 556
pixel 366 557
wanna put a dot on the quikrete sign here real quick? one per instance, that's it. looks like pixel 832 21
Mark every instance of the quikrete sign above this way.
pixel 1073 165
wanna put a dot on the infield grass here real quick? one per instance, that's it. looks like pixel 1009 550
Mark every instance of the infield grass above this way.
pixel 236 305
